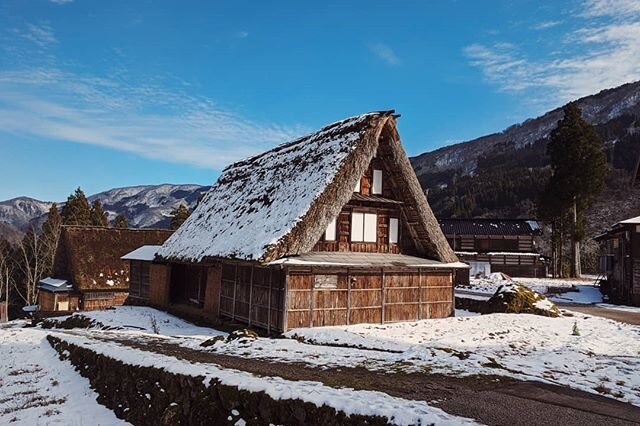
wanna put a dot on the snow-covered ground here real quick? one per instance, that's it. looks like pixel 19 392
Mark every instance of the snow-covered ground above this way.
pixel 571 290
pixel 583 294
pixel 634 309
pixel 603 358
pixel 589 353
pixel 36 388
pixel 399 411
pixel 147 320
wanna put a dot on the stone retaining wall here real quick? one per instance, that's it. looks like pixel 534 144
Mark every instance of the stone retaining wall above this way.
pixel 153 396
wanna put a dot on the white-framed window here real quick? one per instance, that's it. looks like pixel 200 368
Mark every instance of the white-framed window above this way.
pixel 357 188
pixel 330 233
pixel 377 182
pixel 393 230
pixel 364 227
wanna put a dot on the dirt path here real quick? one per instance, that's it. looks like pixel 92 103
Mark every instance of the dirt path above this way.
pixel 491 400
pixel 614 314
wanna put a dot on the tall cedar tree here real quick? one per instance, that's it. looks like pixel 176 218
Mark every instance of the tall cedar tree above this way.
pixel 76 211
pixel 178 216
pixel 51 236
pixel 579 167
pixel 121 221
pixel 97 214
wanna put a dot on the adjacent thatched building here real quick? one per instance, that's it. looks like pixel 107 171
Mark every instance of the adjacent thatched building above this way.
pixel 331 228
pixel 620 263
pixel 496 245
pixel 88 272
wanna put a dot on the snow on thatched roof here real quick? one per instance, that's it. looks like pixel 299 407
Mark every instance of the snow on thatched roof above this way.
pixel 278 203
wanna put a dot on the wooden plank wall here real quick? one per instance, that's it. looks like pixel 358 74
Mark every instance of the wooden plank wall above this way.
pixel 253 295
pixel 368 297
pixel 108 299
pixel 343 232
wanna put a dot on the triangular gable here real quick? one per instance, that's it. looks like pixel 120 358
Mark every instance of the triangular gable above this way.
pixel 278 203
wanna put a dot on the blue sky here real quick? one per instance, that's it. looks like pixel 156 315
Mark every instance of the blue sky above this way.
pixel 119 93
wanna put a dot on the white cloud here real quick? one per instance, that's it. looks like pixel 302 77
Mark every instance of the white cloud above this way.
pixel 61 2
pixel 241 34
pixel 546 25
pixel 40 34
pixel 604 52
pixel 141 119
pixel 385 53
pixel 615 8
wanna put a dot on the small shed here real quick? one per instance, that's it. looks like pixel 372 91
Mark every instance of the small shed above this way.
pixel 57 295
pixel 328 229
pixel 620 261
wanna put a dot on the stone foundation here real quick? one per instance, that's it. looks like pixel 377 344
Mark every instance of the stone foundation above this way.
pixel 153 396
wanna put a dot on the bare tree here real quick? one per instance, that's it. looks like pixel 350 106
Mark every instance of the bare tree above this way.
pixel 32 265
pixel 6 274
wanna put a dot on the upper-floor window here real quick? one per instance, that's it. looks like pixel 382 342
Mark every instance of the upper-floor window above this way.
pixel 377 182
pixel 393 230
pixel 364 227
pixel 330 233
pixel 357 188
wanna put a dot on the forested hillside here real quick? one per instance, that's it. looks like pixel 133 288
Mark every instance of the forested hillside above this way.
pixel 501 175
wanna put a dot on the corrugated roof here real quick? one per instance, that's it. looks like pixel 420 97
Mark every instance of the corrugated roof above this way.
pixel 142 253
pixel 490 227
pixel 54 285
pixel 633 220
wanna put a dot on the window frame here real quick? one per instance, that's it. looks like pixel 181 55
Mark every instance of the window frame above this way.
pixel 376 182
pixel 395 240
pixel 332 226
pixel 360 233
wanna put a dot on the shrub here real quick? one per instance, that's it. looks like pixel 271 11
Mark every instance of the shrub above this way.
pixel 514 298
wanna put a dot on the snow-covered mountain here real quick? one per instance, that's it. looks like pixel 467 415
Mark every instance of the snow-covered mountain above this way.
pixel 597 109
pixel 501 175
pixel 17 214
pixel 146 206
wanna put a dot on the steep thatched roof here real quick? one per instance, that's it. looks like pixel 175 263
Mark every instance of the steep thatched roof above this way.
pixel 89 256
pixel 280 202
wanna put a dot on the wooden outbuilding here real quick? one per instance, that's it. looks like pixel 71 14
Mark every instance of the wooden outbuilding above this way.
pixel 88 273
pixel 329 229
pixel 620 261
pixel 496 245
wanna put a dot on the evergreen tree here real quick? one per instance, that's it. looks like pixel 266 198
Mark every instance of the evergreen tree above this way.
pixel 76 211
pixel 97 214
pixel 178 216
pixel 51 236
pixel 579 167
pixel 121 221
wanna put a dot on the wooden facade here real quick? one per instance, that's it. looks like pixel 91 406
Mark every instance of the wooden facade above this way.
pixel 277 298
pixel 320 297
pixel 620 262
pixel 58 302
pixel 496 245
